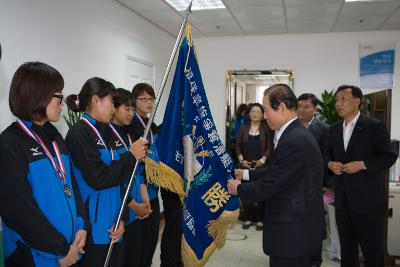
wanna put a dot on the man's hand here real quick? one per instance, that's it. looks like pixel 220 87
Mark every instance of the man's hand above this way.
pixel 353 167
pixel 336 167
pixel 239 174
pixel 80 240
pixel 232 186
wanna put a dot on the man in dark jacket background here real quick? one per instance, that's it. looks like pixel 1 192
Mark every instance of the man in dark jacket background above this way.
pixel 358 152
pixel 307 108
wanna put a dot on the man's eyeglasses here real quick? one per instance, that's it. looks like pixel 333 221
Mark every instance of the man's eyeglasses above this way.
pixel 146 99
pixel 60 97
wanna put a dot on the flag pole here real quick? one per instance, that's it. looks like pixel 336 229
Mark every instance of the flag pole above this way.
pixel 149 123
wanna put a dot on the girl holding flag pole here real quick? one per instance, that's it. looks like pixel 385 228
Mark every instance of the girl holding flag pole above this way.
pixel 100 168
pixel 45 222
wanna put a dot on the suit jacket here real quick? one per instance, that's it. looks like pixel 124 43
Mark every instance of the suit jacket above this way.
pixel 292 187
pixel 363 191
pixel 320 130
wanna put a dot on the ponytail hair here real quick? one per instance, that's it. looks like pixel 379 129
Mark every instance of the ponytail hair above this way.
pixel 72 102
pixel 93 86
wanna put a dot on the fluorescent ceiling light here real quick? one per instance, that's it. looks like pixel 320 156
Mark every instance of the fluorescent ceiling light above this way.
pixel 181 5
pixel 369 1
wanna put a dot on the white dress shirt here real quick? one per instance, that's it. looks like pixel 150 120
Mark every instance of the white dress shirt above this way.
pixel 308 123
pixel 348 130
pixel 278 133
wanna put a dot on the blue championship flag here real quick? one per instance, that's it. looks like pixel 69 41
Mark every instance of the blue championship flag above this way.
pixel 190 160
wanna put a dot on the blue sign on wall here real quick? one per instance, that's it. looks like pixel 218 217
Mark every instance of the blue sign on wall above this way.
pixel 376 66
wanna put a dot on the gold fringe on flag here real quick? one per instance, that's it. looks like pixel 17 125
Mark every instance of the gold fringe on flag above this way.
pixel 190 259
pixel 217 229
pixel 164 176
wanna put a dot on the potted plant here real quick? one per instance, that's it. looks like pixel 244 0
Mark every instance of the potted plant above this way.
pixel 71 117
pixel 327 108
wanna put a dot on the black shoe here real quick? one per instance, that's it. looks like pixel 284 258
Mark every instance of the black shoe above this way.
pixel 246 226
pixel 259 226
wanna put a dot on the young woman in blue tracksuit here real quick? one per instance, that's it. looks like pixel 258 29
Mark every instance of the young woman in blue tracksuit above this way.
pixel 124 112
pixel 44 219
pixel 147 234
pixel 170 245
pixel 99 168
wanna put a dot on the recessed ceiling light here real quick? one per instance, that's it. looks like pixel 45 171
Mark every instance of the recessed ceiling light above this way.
pixel 181 5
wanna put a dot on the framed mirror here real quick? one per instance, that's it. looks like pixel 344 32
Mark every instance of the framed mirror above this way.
pixel 245 87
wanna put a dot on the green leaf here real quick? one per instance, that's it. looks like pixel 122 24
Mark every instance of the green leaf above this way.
pixel 327 108
pixel 71 117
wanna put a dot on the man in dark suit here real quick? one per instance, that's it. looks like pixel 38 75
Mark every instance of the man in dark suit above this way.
pixel 291 185
pixel 306 113
pixel 358 152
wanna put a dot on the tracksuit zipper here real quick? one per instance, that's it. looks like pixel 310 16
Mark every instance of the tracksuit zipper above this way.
pixel 72 219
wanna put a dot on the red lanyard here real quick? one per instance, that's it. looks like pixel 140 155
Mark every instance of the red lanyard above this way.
pixel 59 165
pixel 144 127
pixel 98 135
pixel 120 138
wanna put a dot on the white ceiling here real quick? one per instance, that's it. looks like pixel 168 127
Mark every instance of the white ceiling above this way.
pixel 264 17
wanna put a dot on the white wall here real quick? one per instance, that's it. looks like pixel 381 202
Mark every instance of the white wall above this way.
pixel 80 38
pixel 85 38
pixel 319 61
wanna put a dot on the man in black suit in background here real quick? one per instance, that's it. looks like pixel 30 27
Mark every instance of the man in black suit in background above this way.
pixel 306 113
pixel 358 152
pixel 291 185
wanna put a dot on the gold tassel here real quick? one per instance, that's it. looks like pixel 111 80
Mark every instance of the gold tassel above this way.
pixel 164 176
pixel 190 259
pixel 217 229
pixel 188 30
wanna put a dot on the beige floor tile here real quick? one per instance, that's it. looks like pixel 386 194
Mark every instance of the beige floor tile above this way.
pixel 243 248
